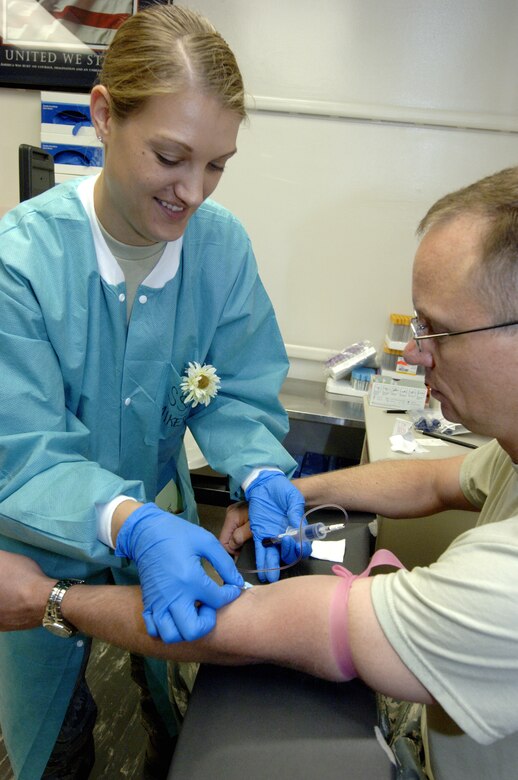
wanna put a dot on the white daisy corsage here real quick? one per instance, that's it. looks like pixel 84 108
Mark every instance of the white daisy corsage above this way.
pixel 200 384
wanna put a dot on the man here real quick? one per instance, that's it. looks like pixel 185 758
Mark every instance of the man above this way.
pixel 447 633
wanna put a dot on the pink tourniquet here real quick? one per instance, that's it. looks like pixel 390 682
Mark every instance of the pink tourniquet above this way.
pixel 338 612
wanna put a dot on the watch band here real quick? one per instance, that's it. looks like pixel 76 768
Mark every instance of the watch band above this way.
pixel 53 620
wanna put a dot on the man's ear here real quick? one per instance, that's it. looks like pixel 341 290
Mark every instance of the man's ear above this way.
pixel 100 111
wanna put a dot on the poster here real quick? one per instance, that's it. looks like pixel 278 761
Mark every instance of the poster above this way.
pixel 58 44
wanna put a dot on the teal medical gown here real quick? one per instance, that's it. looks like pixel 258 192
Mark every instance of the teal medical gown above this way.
pixel 92 408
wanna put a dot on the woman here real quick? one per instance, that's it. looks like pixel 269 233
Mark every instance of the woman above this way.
pixel 130 306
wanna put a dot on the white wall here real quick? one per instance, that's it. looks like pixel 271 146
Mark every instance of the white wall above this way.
pixel 19 124
pixel 367 111
pixel 363 113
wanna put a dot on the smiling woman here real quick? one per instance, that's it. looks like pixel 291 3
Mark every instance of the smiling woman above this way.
pixel 161 162
pixel 143 315
pixel 168 109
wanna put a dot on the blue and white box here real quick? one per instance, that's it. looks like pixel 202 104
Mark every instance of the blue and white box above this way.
pixel 66 113
pixel 68 134
pixel 74 157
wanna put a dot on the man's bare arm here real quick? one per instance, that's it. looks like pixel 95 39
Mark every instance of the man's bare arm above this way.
pixel 394 488
pixel 375 660
pixel 286 623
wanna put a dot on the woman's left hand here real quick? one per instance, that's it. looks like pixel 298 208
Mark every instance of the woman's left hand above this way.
pixel 274 503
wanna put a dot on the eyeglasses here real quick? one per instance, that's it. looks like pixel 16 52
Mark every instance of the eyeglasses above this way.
pixel 419 330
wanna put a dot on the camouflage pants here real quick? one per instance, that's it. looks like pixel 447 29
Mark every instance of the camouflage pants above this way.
pixel 181 677
pixel 400 724
pixel 161 745
pixel 73 755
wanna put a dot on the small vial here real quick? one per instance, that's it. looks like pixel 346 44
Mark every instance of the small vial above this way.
pixel 308 533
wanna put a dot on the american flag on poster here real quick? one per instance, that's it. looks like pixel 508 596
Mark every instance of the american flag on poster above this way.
pixel 74 24
pixel 59 44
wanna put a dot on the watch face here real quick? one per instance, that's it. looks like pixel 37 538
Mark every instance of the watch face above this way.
pixel 58 629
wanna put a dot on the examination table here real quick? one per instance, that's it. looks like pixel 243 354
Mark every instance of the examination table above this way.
pixel 263 721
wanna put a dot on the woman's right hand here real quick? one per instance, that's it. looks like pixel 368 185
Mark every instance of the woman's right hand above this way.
pixel 180 599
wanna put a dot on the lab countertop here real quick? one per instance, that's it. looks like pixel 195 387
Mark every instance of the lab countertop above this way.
pixel 380 426
pixel 303 400
pixel 308 400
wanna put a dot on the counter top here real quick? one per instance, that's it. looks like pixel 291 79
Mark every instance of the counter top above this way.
pixel 380 426
pixel 308 400
pixel 303 400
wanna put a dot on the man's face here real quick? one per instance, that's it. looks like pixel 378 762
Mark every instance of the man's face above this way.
pixel 471 374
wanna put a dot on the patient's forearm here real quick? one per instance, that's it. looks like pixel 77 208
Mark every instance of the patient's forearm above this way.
pixel 114 614
pixel 284 623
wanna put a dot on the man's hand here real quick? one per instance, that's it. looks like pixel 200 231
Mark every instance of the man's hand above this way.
pixel 180 599
pixel 24 590
pixel 274 503
pixel 236 528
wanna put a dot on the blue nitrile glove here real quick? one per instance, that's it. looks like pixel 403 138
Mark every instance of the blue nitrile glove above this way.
pixel 167 550
pixel 274 504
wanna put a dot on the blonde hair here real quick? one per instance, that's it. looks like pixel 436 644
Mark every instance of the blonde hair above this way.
pixel 162 50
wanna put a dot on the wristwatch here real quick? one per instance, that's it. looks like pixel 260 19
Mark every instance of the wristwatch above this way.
pixel 53 620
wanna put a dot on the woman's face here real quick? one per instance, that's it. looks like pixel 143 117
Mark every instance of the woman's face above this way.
pixel 161 163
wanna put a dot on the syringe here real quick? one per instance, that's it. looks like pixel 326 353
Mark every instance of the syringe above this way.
pixel 308 532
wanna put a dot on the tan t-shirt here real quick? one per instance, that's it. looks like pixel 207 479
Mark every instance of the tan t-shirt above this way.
pixel 455 625
pixel 489 480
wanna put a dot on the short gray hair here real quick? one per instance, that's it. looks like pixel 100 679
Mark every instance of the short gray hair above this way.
pixel 495 200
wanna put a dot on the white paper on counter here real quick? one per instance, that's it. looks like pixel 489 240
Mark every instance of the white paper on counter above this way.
pixel 328 551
